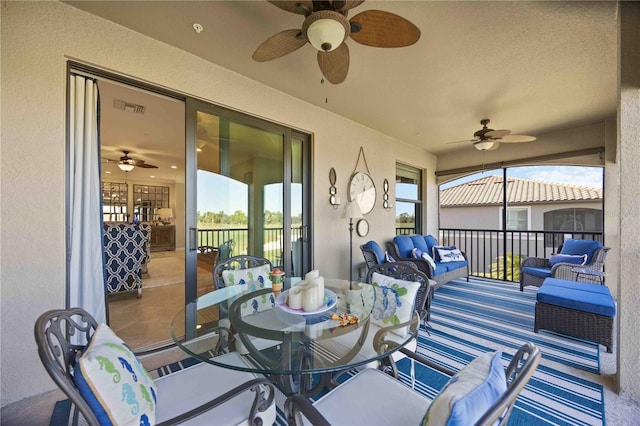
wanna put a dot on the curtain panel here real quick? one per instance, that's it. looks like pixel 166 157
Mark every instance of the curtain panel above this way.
pixel 85 249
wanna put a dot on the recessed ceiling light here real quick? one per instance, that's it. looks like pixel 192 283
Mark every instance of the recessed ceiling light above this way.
pixel 108 172
pixel 174 167
pixel 152 176
pixel 198 28
pixel 199 149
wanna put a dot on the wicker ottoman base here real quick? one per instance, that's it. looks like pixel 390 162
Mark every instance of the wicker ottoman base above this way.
pixel 589 326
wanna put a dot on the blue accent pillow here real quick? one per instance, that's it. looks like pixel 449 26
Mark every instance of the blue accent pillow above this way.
pixel 374 247
pixel 469 393
pixel 588 247
pixel 575 259
pixel 114 383
pixel 416 253
pixel 388 257
pixel 435 249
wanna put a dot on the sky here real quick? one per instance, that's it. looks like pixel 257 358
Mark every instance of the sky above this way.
pixel 590 177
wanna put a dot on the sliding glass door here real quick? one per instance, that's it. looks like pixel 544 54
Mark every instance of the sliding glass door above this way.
pixel 247 190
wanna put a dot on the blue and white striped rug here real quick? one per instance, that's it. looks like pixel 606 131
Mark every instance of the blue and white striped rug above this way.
pixel 500 315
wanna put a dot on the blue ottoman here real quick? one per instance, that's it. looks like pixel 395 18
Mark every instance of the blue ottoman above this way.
pixel 578 309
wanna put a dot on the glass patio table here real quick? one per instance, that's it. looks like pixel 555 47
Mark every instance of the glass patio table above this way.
pixel 300 351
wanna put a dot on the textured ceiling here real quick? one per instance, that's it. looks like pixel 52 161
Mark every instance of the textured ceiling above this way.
pixel 530 67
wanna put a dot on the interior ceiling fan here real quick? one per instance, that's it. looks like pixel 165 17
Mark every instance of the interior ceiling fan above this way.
pixel 326 28
pixel 487 139
pixel 127 163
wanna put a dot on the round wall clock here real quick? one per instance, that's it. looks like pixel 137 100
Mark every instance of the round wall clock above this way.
pixel 363 191
pixel 362 227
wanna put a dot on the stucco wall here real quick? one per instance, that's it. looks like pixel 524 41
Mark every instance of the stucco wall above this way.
pixel 629 208
pixel 37 40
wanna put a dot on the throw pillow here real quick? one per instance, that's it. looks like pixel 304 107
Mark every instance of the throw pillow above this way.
pixel 469 393
pixel 434 251
pixel 244 276
pixel 416 253
pixel 568 258
pixel 575 246
pixel 394 302
pixel 114 383
pixel 388 257
pixel 429 260
pixel 449 254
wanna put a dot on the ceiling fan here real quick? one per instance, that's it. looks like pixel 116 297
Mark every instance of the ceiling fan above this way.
pixel 326 28
pixel 127 163
pixel 487 139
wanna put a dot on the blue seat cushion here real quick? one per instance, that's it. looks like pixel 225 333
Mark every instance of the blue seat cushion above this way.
pixel 375 247
pixel 431 241
pixel 405 245
pixel 580 297
pixel 441 268
pixel 588 247
pixel 537 272
pixel 419 243
pixel 451 266
pixel 594 288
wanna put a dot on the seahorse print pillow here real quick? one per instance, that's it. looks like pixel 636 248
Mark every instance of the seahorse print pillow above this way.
pixel 114 383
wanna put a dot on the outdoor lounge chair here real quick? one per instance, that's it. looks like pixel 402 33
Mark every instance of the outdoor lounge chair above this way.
pixel 372 397
pixel 106 382
pixel 565 264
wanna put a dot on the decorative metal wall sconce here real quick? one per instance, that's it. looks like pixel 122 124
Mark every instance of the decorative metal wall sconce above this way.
pixel 334 200
pixel 385 196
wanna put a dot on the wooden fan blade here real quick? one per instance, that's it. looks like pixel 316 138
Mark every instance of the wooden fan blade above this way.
pixel 466 140
pixel 341 6
pixel 142 164
pixel 301 7
pixel 497 134
pixel 383 29
pixel 279 45
pixel 517 138
pixel 335 64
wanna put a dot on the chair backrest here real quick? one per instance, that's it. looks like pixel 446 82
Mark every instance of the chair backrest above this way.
pixel 406 271
pixel 373 254
pixel 579 247
pixel 225 251
pixel 125 248
pixel 56 333
pixel 520 369
pixel 597 261
pixel 237 262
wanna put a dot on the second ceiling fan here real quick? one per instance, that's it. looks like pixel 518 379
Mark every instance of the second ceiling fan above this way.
pixel 326 28
pixel 487 139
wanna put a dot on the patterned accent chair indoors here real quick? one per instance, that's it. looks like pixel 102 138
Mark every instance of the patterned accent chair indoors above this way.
pixel 574 253
pixel 108 384
pixel 125 249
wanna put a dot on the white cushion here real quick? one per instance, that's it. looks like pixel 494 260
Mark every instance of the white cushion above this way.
pixel 372 397
pixel 245 276
pixel 469 393
pixel 429 259
pixel 114 383
pixel 193 386
pixel 395 301
pixel 448 254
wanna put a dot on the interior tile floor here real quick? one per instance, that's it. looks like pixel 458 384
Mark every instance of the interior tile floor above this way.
pixel 146 323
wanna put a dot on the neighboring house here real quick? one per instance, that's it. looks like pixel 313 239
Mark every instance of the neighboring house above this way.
pixel 531 205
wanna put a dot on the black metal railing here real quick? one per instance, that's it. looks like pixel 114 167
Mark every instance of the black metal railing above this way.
pixel 485 249
pixel 273 237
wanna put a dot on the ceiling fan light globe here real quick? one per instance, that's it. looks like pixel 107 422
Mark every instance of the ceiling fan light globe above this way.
pixel 483 145
pixel 326 34
pixel 126 167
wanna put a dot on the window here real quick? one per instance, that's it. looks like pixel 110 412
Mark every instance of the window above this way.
pixel 408 202
pixel 114 202
pixel 148 199
pixel 517 218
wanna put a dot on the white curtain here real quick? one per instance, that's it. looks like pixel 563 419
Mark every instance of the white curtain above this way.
pixel 86 271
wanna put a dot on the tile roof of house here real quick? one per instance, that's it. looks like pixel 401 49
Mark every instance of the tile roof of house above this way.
pixel 488 190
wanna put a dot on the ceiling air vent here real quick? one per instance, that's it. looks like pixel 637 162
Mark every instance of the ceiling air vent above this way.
pixel 128 106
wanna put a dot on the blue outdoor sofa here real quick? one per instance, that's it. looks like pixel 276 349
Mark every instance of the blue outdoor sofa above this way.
pixel 402 249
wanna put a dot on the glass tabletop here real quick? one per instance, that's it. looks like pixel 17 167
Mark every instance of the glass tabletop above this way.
pixel 276 339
